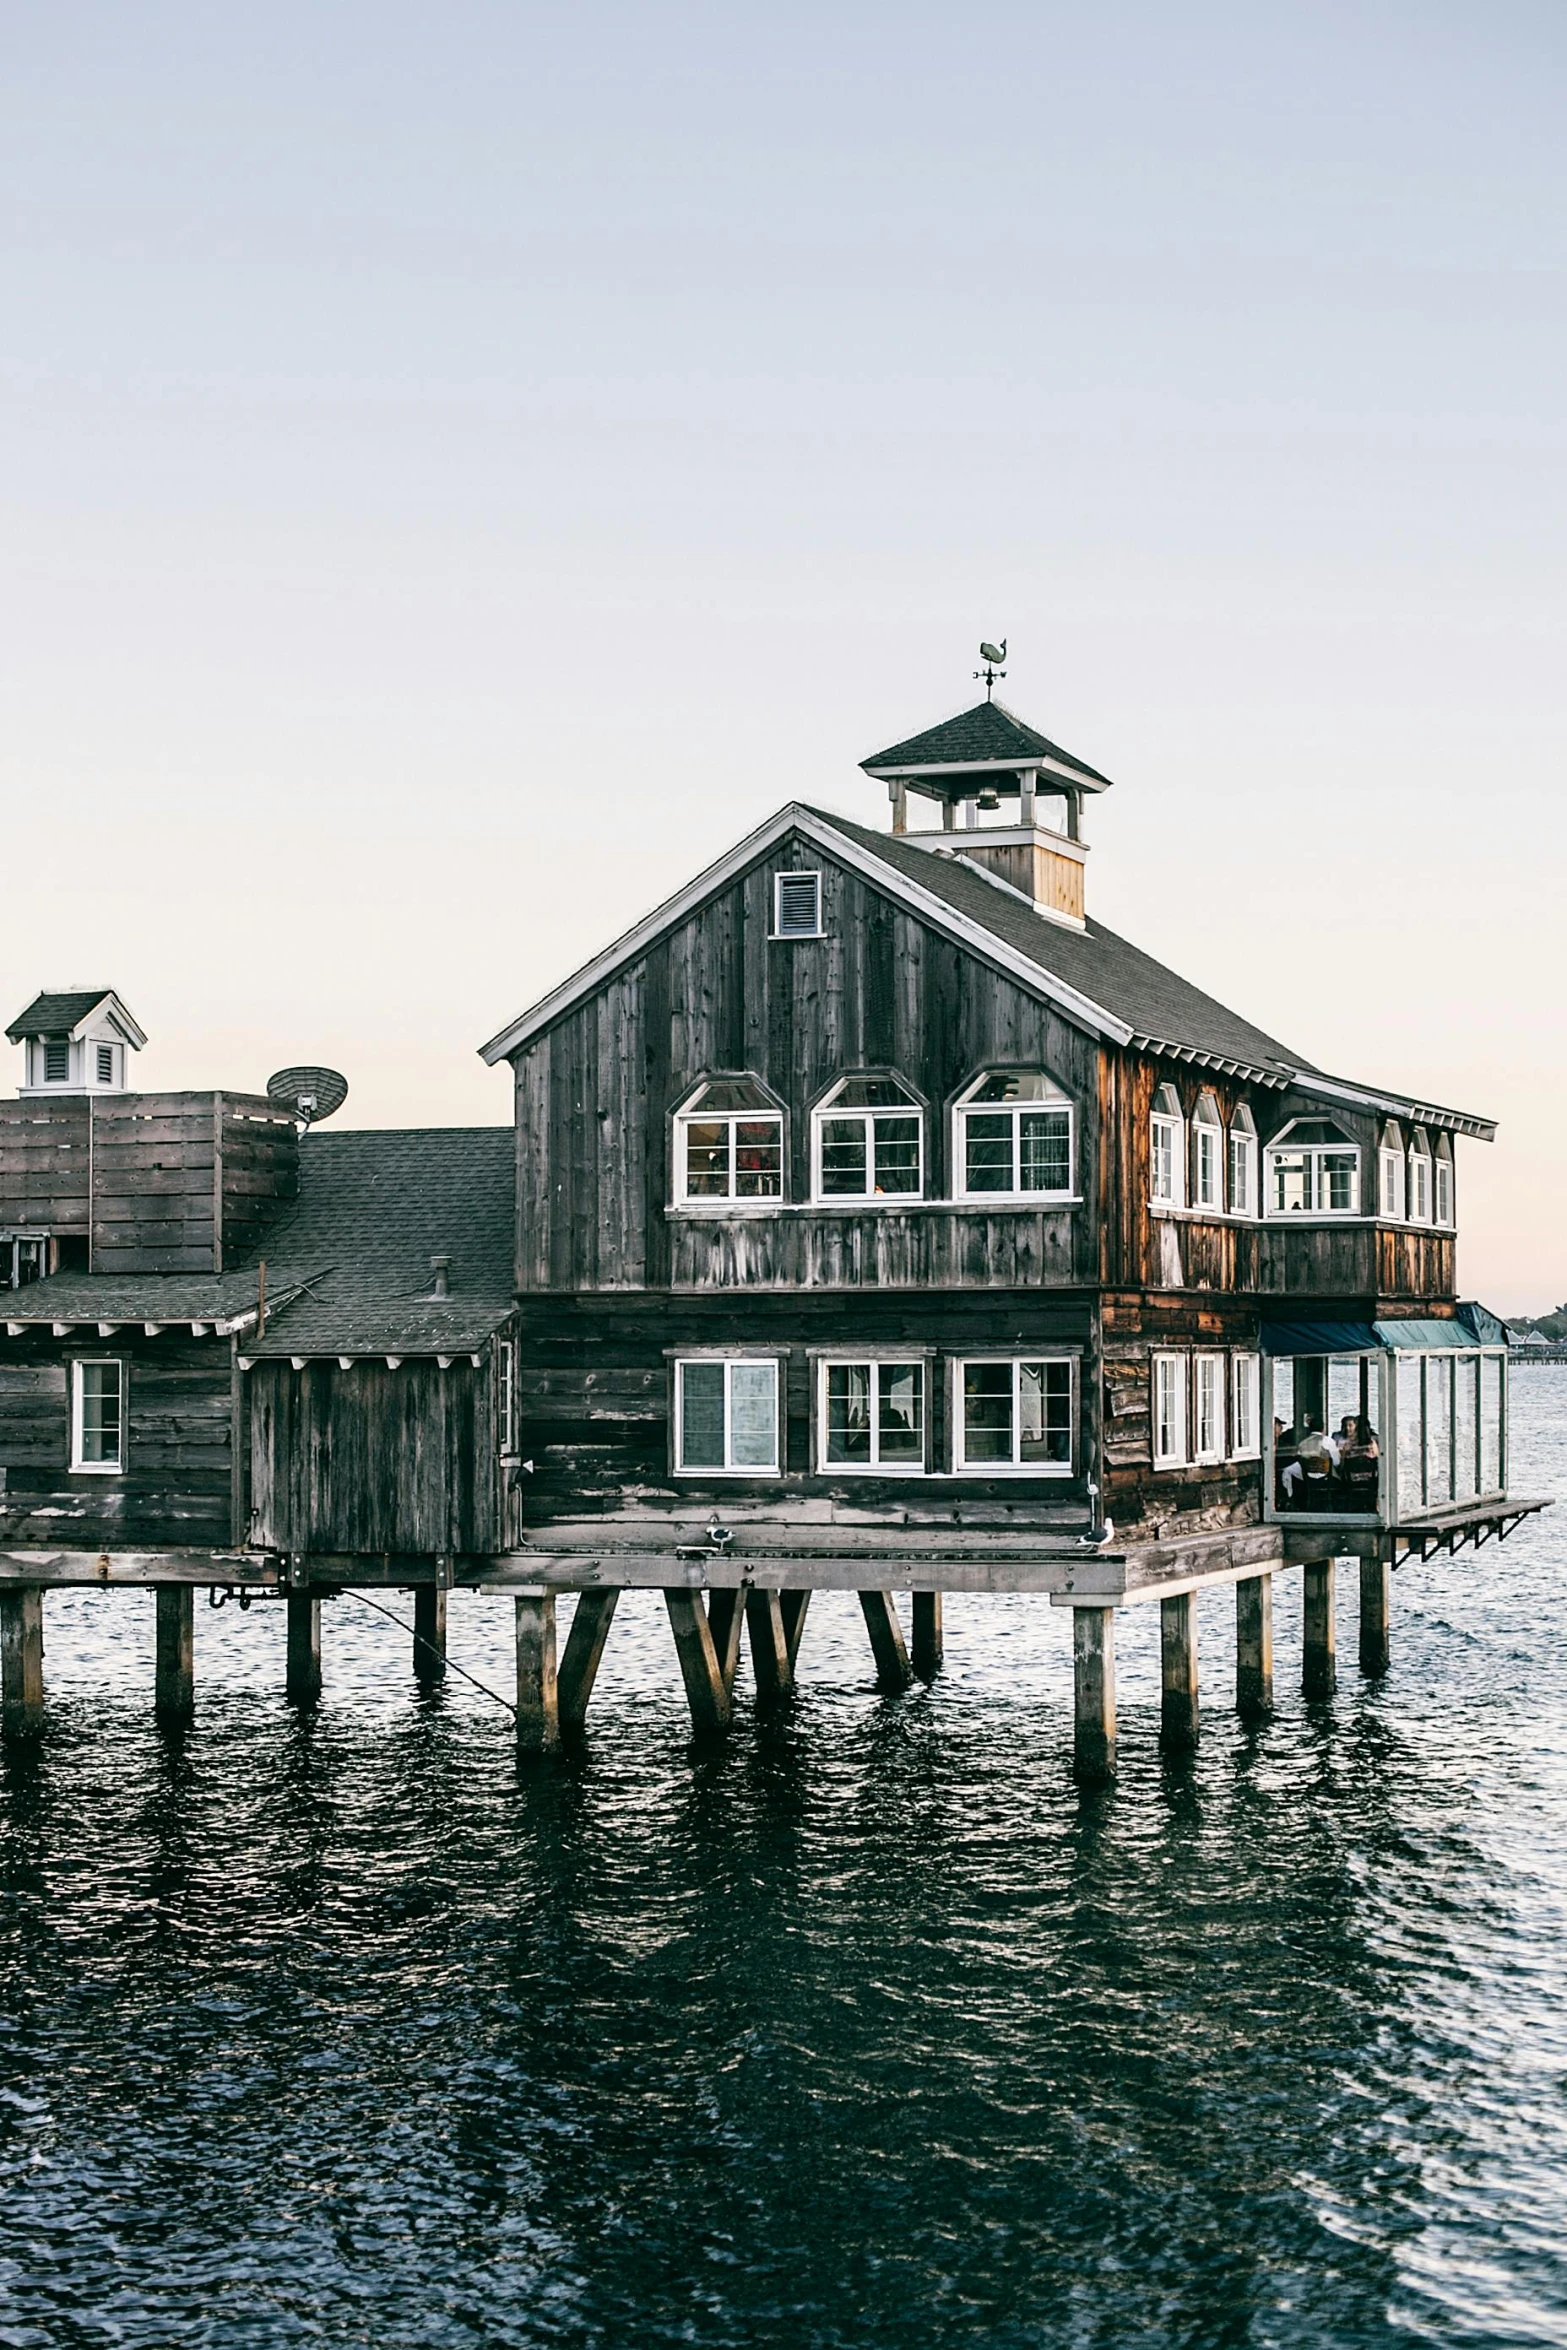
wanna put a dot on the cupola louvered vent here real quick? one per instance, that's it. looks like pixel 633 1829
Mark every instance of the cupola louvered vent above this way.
pixel 797 905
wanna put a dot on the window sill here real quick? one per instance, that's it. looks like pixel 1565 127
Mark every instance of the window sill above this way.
pixel 900 1469
pixel 774 1471
pixel 1059 1473
pixel 97 1468
pixel 883 1204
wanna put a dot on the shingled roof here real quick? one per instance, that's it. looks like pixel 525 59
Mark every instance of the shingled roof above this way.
pixel 61 1013
pixel 988 735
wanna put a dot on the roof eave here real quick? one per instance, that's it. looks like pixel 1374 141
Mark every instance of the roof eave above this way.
pixel 1081 778
pixel 1402 1104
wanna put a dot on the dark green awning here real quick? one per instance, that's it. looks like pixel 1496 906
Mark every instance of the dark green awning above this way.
pixel 1320 1338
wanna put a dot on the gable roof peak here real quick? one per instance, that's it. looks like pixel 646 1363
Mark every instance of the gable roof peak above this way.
pixel 980 741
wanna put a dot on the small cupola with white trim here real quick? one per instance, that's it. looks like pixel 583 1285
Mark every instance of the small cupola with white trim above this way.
pixel 76 1040
pixel 1011 800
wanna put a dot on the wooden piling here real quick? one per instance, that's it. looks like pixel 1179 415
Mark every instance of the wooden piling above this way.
pixel 893 1670
pixel 929 1647
pixel 538 1694
pixel 1254 1645
pixel 1375 1608
pixel 1093 1672
pixel 429 1632
pixel 302 1676
pixel 707 1693
pixel 1319 1673
pixel 22 1656
pixel 584 1652
pixel 174 1683
pixel 1178 1721
pixel 770 1658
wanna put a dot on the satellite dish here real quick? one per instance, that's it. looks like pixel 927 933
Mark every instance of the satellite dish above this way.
pixel 995 653
pixel 309 1094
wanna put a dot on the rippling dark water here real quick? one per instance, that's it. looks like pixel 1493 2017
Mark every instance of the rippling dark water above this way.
pixel 871 2030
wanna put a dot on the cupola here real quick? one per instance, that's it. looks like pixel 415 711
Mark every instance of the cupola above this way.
pixel 76 1040
pixel 1011 801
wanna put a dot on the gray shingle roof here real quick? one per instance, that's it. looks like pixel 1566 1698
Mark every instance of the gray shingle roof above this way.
pixel 56 1015
pixel 1155 1003
pixel 130 1297
pixel 989 731
pixel 348 1262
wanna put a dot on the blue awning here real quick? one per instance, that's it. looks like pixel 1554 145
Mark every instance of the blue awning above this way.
pixel 1427 1337
pixel 1320 1338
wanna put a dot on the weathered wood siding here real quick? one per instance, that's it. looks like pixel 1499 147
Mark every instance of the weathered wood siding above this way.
pixel 375 1460
pixel 595 1096
pixel 1196 1495
pixel 177 1486
pixel 146 1183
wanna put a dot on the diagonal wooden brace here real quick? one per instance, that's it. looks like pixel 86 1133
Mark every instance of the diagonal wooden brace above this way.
pixel 893 1670
pixel 771 1660
pixel 707 1692
pixel 584 1651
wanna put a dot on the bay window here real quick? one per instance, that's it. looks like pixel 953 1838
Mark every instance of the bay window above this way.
pixel 1015 1416
pixel 726 1415
pixel 1313 1170
pixel 729 1143
pixel 869 1141
pixel 1014 1137
pixel 871 1415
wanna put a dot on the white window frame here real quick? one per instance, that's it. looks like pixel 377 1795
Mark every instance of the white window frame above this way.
pixel 1209 1365
pixel 1313 1153
pixel 1208 1129
pixel 730 1363
pixel 876 1363
pixel 1177 1365
pixel 964 1467
pixel 826 1109
pixel 1442 1179
pixel 79 1365
pixel 1392 1177
pixel 1167 1141
pixel 1056 1102
pixel 795 875
pixel 1240 1148
pixel 726 1202
pixel 1246 1379
pixel 1421 1185
pixel 506 1398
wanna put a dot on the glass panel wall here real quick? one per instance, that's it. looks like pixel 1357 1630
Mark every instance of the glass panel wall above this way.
pixel 1492 1474
pixel 1411 1433
pixel 1439 1430
pixel 1466 1426
pixel 1326 1434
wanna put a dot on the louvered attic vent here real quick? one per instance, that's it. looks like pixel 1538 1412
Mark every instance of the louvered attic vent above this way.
pixel 797 905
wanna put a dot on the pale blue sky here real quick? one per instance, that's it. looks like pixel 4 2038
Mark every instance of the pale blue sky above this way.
pixel 464 466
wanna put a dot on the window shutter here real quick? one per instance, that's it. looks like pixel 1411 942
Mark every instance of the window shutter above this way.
pixel 799 905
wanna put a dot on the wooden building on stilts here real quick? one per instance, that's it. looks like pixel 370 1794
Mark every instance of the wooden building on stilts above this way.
pixel 873 1219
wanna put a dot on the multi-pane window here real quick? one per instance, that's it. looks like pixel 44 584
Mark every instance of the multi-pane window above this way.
pixel 1442 1175
pixel 1390 1174
pixel 1169 1410
pixel 1015 1415
pixel 1015 1137
pixel 506 1396
pixel 1313 1170
pixel 726 1415
pixel 729 1143
pixel 1208 1403
pixel 1419 1178
pixel 872 1415
pixel 1245 1385
pixel 1207 1155
pixel 797 905
pixel 1167 1149
pixel 1243 1164
pixel 98 1417
pixel 23 1258
pixel 869 1141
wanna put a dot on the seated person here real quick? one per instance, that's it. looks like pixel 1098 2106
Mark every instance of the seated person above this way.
pixel 1306 1477
pixel 1359 1459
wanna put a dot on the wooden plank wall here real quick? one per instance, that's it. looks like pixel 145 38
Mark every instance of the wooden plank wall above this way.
pixel 372 1460
pixel 152 1183
pixel 595 1096
pixel 1189 1499
pixel 177 1488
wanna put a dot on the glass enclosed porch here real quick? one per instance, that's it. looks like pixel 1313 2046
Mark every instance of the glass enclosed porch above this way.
pixel 1381 1424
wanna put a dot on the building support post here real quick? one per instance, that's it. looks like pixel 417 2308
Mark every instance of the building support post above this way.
pixel 1375 1595
pixel 1178 1670
pixel 584 1652
pixel 794 1605
pixel 22 1656
pixel 538 1699
pixel 1319 1674
pixel 770 1658
pixel 1254 1646
pixel 174 1681
pixel 429 1632
pixel 726 1622
pixel 1093 1673
pixel 893 1670
pixel 928 1642
pixel 302 1673
pixel 707 1694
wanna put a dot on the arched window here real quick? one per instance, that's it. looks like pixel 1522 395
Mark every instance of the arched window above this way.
pixel 868 1141
pixel 1313 1170
pixel 729 1142
pixel 1390 1172
pixel 1207 1154
pixel 1014 1137
pixel 1167 1150
pixel 1442 1173
pixel 1243 1163
pixel 1419 1177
